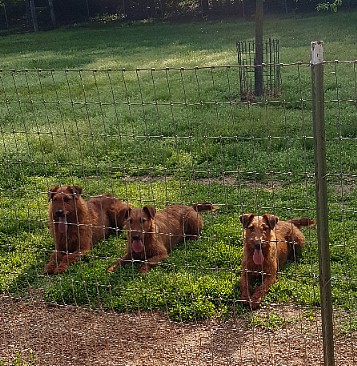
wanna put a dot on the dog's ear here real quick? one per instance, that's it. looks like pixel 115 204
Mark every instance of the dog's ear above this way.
pixel 271 220
pixel 122 215
pixel 119 213
pixel 246 219
pixel 150 211
pixel 51 192
pixel 76 190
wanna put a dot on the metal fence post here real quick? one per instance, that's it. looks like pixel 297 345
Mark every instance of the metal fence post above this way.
pixel 321 200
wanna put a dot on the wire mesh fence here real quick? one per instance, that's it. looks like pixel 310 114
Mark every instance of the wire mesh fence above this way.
pixel 271 72
pixel 174 136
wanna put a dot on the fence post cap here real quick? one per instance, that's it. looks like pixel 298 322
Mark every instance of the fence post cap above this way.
pixel 317 52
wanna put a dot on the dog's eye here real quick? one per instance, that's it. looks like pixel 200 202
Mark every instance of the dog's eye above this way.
pixel 144 219
pixel 251 228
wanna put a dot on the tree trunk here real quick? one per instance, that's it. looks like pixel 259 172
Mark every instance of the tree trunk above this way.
pixel 52 13
pixel 258 72
pixel 33 15
pixel 204 7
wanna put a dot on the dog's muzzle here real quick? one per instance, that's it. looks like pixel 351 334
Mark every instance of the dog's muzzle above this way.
pixel 59 213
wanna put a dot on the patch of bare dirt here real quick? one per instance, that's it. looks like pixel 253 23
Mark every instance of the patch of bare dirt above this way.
pixel 344 189
pixel 75 336
pixel 224 180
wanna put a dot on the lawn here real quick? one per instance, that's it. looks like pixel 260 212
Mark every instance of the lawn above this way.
pixel 151 112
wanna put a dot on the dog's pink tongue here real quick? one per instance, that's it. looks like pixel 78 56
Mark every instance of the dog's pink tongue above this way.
pixel 258 257
pixel 62 225
pixel 137 246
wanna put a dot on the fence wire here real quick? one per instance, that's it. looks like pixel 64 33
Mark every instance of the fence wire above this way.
pixel 173 136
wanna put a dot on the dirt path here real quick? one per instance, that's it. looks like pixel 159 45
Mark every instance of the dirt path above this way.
pixel 75 336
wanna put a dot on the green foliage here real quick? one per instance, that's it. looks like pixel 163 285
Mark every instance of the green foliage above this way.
pixel 333 6
pixel 268 321
pixel 348 324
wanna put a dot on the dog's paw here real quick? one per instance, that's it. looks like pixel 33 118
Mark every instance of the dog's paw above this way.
pixel 112 268
pixel 49 268
pixel 60 269
pixel 244 300
pixel 254 302
pixel 144 268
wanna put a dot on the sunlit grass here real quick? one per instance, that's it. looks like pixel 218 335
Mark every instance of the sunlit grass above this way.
pixel 166 125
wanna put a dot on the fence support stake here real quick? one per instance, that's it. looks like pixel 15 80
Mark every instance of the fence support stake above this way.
pixel 322 201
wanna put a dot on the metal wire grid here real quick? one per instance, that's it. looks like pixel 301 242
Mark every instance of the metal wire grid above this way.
pixel 156 119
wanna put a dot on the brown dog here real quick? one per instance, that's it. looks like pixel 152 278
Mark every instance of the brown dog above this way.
pixel 76 225
pixel 268 244
pixel 151 236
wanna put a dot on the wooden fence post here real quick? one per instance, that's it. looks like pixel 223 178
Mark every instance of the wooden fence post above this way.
pixel 317 69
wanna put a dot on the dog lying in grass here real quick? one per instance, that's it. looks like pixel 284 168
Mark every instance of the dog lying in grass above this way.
pixel 152 235
pixel 76 225
pixel 268 244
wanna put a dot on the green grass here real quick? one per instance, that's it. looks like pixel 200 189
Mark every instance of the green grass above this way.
pixel 27 358
pixel 175 133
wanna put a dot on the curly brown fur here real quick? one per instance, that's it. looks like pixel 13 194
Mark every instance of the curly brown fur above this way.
pixel 76 225
pixel 152 235
pixel 268 244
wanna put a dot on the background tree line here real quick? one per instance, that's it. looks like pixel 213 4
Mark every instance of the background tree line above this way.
pixel 15 12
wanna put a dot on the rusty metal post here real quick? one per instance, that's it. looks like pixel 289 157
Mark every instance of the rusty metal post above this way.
pixel 322 201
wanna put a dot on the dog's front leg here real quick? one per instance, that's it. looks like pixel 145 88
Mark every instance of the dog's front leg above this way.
pixel 261 291
pixel 244 286
pixel 152 262
pixel 55 259
pixel 69 258
pixel 120 262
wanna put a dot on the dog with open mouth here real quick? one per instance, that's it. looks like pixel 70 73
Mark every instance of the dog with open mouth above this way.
pixel 77 225
pixel 268 244
pixel 152 235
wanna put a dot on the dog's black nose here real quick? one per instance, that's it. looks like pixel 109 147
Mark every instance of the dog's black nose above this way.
pixel 135 237
pixel 59 213
pixel 258 246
